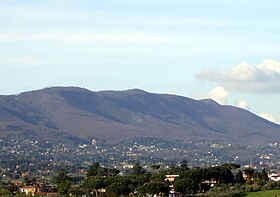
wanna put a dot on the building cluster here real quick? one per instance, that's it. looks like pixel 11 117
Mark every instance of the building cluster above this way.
pixel 42 159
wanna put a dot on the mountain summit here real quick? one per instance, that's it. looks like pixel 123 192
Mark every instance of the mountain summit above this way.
pixel 116 116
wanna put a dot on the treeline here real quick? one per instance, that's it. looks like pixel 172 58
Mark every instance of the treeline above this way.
pixel 226 180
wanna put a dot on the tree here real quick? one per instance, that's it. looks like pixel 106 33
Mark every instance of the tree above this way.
pixel 64 187
pixel 186 186
pixel 263 175
pixel 138 169
pixel 61 177
pixel 75 191
pixel 231 166
pixel 63 182
pixel 92 184
pixel 4 192
pixel 197 174
pixel 118 189
pixel 153 188
pixel 249 172
pixel 238 178
pixel 155 167
pixel 13 188
pixel 28 180
pixel 184 165
pixel 44 188
pixel 113 172
pixel 221 174
pixel 95 170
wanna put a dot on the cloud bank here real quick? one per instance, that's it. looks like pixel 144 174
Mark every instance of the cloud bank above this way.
pixel 261 78
pixel 242 104
pixel 268 117
pixel 219 94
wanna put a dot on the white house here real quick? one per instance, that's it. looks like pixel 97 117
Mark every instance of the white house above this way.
pixel 274 177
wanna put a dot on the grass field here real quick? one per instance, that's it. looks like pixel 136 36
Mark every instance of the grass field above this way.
pixel 269 193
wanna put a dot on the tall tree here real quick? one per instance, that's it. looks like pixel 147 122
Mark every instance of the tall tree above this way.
pixel 64 187
pixel 118 189
pixel 249 172
pixel 138 169
pixel 184 165
pixel 63 182
pixel 238 178
pixel 92 184
pixel 263 175
pixel 186 186
pixel 95 170
pixel 153 188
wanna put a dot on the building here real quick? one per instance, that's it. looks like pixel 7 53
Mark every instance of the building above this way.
pixel 174 194
pixel 211 182
pixel 171 179
pixel 28 190
pixel 274 177
pixel 93 142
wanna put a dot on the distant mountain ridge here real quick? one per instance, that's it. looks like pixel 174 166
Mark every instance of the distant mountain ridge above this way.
pixel 116 116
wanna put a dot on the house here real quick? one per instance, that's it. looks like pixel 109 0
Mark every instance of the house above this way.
pixel 174 194
pixel 28 190
pixel 247 176
pixel 171 179
pixel 211 182
pixel 274 177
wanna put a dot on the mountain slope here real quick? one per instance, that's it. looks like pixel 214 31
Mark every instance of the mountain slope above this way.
pixel 115 116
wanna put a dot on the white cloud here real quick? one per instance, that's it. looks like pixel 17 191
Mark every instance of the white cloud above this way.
pixel 242 104
pixel 261 78
pixel 269 66
pixel 268 117
pixel 219 94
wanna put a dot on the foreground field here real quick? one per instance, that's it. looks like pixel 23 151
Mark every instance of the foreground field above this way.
pixel 269 193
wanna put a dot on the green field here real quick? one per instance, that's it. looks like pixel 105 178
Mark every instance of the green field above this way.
pixel 268 193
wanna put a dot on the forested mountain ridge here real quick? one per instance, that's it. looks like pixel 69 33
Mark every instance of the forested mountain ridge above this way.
pixel 116 116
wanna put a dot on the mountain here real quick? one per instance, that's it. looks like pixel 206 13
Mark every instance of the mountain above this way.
pixel 72 113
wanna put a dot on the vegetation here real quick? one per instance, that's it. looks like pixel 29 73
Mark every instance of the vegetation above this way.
pixel 218 181
pixel 266 193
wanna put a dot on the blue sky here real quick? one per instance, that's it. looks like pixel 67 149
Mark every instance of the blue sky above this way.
pixel 225 50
